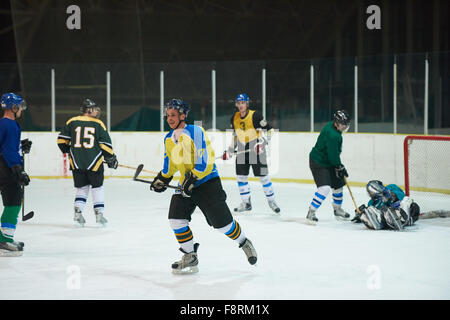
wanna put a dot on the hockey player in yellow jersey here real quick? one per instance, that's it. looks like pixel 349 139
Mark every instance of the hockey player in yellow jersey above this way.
pixel 87 142
pixel 250 137
pixel 188 150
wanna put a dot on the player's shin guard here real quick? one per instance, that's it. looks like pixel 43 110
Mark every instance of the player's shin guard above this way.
pixel 81 196
pixel 338 196
pixel 98 198
pixel 267 187
pixel 244 188
pixel 339 213
pixel 319 197
pixel 8 223
pixel 233 231
pixel 183 234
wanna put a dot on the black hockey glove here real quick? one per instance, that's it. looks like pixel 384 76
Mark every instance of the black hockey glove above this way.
pixel 20 175
pixel 112 162
pixel 159 183
pixel 357 217
pixel 341 172
pixel 26 145
pixel 188 184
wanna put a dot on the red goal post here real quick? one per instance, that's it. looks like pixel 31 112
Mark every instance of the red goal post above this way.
pixel 427 166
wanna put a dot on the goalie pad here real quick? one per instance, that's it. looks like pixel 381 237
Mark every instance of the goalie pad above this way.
pixel 411 208
pixel 396 218
pixel 372 218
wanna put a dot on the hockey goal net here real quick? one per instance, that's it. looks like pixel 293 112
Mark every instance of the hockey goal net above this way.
pixel 427 168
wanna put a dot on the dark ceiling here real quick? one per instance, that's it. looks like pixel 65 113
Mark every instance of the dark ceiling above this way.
pixel 214 30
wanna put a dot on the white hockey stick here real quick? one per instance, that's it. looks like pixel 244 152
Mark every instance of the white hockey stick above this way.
pixel 235 153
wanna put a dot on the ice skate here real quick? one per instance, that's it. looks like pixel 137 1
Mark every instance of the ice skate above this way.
pixel 78 217
pixel 11 249
pixel 249 250
pixel 340 214
pixel 100 219
pixel 188 263
pixel 244 206
pixel 273 205
pixel 311 217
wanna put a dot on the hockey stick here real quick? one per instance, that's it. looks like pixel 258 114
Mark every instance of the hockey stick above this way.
pixel 351 194
pixel 235 153
pixel 138 171
pixel 133 168
pixel 30 214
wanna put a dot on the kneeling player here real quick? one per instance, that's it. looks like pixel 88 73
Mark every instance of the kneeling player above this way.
pixel 188 150
pixel 388 208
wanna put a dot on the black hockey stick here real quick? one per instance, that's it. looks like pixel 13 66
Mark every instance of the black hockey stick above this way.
pixel 30 214
pixel 138 171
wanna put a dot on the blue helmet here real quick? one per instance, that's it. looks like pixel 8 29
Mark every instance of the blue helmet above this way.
pixel 177 104
pixel 10 100
pixel 242 97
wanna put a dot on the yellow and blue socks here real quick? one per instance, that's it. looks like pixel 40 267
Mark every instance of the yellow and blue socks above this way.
pixel 233 231
pixel 183 234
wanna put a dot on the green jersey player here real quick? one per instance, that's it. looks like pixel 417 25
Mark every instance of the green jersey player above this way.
pixel 327 169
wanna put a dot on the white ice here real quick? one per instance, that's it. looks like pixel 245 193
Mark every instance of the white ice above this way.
pixel 131 257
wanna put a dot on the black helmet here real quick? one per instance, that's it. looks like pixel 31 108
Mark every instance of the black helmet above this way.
pixel 177 104
pixel 89 104
pixel 342 117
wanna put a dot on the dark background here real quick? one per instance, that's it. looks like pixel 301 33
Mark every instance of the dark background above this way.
pixel 215 30
pixel 136 39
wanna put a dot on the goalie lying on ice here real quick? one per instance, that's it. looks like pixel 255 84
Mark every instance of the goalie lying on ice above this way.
pixel 388 208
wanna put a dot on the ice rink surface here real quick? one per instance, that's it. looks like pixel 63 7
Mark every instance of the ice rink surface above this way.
pixel 131 257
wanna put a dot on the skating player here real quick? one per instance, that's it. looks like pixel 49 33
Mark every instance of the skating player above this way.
pixel 87 142
pixel 327 168
pixel 249 143
pixel 12 175
pixel 188 150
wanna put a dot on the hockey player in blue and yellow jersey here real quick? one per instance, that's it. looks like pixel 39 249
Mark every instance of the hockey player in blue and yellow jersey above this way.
pixel 188 151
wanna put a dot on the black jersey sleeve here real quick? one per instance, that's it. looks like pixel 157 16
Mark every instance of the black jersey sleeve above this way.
pixel 259 122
